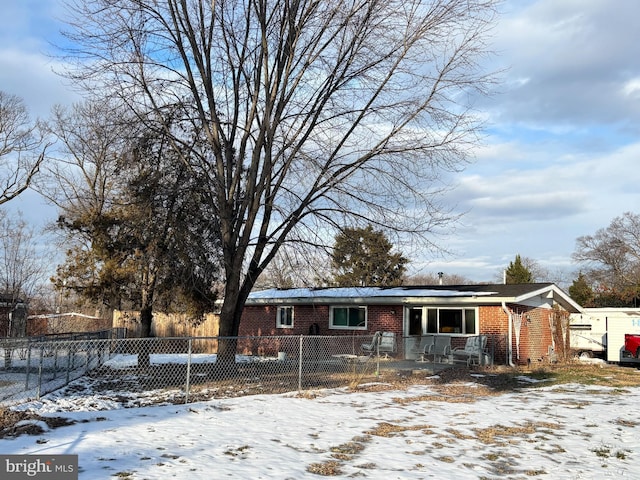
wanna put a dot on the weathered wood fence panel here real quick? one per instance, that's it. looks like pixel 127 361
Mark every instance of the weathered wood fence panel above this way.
pixel 169 325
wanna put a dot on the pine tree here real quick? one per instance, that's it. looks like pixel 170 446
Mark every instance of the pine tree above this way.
pixel 518 272
pixel 362 256
pixel 581 291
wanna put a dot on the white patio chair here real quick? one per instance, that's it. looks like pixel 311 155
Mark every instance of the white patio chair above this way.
pixel 422 347
pixel 441 348
pixel 387 344
pixel 473 351
pixel 370 348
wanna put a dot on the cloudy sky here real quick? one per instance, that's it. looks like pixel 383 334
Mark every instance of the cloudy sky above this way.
pixel 557 160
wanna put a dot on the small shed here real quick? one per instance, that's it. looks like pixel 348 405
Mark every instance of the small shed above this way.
pixel 525 323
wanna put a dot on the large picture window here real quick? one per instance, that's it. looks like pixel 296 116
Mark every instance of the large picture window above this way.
pixel 284 317
pixel 451 320
pixel 349 317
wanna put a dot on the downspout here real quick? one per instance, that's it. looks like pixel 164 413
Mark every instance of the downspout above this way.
pixel 509 335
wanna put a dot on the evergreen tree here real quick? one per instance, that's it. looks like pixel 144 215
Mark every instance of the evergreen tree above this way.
pixel 362 256
pixel 581 291
pixel 139 235
pixel 518 272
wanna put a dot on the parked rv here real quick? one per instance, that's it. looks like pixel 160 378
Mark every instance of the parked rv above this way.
pixel 600 332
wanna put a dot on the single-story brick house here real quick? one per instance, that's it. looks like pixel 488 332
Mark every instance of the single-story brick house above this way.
pixel 520 320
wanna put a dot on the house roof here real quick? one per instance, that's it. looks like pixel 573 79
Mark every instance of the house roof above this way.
pixel 532 294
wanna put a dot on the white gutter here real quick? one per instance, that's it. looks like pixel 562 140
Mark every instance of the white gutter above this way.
pixel 509 335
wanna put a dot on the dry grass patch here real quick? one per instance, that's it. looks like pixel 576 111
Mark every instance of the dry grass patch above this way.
pixel 446 459
pixel 463 385
pixel 592 374
pixel 490 435
pixel 340 453
pixel 452 393
pixel 459 435
pixel 390 430
pixel 535 473
pixel 623 422
pixel 346 451
pixel 329 468
pixel 9 420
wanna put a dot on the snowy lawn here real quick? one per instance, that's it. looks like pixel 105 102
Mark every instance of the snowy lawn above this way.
pixel 461 430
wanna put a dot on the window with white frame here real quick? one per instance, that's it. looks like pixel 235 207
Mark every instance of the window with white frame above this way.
pixel 284 317
pixel 452 320
pixel 348 317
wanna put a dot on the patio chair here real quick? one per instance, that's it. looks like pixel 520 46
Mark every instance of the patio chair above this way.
pixel 422 347
pixel 441 348
pixel 370 348
pixel 387 344
pixel 473 351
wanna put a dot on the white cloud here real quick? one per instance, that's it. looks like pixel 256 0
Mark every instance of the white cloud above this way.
pixel 575 55
pixel 36 78
pixel 632 88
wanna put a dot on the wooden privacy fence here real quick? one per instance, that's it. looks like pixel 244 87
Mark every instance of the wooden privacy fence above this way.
pixel 168 325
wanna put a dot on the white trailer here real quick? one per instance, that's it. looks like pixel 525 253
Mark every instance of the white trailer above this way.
pixel 588 334
pixel 600 332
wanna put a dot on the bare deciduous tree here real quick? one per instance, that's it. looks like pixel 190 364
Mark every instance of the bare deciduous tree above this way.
pixel 437 279
pixel 23 265
pixel 612 254
pixel 22 147
pixel 313 114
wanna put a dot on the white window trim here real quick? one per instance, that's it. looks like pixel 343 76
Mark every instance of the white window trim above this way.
pixel 462 334
pixel 341 327
pixel 278 316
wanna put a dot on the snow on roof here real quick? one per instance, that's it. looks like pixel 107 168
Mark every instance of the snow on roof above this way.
pixel 525 292
pixel 362 292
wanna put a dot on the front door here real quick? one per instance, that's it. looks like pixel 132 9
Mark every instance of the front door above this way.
pixel 415 327
pixel 415 322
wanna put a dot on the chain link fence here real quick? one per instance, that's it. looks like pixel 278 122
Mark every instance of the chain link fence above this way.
pixel 183 369
pixel 187 369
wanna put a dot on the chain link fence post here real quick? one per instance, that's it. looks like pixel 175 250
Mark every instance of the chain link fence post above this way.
pixel 300 351
pixel 188 379
pixel 69 354
pixel 26 386
pixel 40 372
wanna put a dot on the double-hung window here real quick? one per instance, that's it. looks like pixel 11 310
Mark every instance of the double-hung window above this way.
pixel 348 317
pixel 284 317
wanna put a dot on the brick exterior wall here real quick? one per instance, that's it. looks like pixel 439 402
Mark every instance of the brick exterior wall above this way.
pixel 536 336
pixel 494 322
pixel 261 320
pixel 536 332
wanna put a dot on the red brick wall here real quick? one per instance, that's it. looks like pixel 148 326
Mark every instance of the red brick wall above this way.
pixel 261 321
pixel 535 331
pixel 535 336
pixel 494 323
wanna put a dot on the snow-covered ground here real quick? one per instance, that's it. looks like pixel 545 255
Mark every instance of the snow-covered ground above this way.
pixel 559 432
